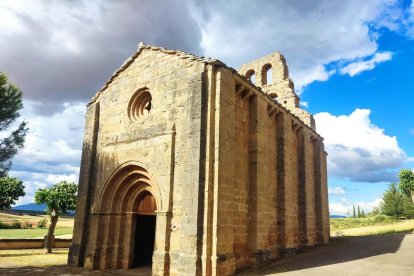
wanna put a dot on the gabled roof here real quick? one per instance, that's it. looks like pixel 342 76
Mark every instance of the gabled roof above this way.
pixel 142 47
pixel 183 55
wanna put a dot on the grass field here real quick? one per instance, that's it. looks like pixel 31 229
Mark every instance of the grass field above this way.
pixel 369 226
pixel 32 233
pixel 33 257
pixel 63 227
pixel 346 223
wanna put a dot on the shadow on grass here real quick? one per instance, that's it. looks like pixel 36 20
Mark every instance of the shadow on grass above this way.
pixel 12 254
pixel 67 270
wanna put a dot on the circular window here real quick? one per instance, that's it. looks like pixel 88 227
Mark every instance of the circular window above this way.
pixel 140 104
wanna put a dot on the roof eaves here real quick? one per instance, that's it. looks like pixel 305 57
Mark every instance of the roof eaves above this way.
pixel 142 47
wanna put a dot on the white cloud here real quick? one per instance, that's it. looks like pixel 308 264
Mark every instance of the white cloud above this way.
pixel 410 20
pixel 34 181
pixel 55 139
pixel 304 104
pixel 65 50
pixel 355 68
pixel 357 149
pixel 44 51
pixel 336 191
pixel 346 208
pixel 52 149
pixel 310 35
pixel 412 131
pixel 338 209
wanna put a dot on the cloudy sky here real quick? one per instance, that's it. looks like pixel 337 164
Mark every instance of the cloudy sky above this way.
pixel 350 61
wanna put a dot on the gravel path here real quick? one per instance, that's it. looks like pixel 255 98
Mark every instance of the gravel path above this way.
pixel 391 254
pixel 372 255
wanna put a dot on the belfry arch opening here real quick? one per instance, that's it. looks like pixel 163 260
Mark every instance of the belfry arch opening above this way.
pixel 251 76
pixel 267 74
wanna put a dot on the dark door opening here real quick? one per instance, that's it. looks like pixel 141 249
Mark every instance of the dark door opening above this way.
pixel 144 240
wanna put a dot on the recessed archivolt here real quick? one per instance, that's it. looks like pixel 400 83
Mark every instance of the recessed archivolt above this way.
pixel 139 104
pixel 122 192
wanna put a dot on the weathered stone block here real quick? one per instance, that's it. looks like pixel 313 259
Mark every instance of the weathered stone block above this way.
pixel 190 167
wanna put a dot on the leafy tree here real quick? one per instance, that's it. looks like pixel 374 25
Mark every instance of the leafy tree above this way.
pixel 376 211
pixel 353 211
pixel 406 177
pixel 393 201
pixel 408 207
pixel 363 213
pixel 10 190
pixel 11 141
pixel 59 199
pixel 359 212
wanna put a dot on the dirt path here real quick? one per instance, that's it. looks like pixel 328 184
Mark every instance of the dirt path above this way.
pixel 372 255
pixel 391 254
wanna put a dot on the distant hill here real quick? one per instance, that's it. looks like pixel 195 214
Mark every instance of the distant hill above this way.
pixel 30 207
pixel 337 216
pixel 33 207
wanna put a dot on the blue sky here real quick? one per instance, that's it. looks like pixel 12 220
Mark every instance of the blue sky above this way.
pixel 350 61
pixel 387 91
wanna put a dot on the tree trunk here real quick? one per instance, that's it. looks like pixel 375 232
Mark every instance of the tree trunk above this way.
pixel 49 239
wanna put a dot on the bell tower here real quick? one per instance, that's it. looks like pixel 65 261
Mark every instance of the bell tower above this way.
pixel 271 74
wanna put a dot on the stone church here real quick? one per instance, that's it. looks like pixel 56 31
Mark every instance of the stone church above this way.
pixel 195 168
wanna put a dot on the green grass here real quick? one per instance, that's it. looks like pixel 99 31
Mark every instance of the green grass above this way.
pixel 32 233
pixel 374 225
pixel 33 257
pixel 338 224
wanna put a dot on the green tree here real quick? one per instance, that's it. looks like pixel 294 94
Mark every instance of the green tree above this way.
pixel 59 199
pixel 393 202
pixel 353 211
pixel 363 213
pixel 359 212
pixel 408 207
pixel 406 177
pixel 10 141
pixel 10 190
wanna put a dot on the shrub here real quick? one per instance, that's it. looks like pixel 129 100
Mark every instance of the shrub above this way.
pixel 16 225
pixel 4 225
pixel 380 218
pixel 27 225
pixel 42 223
pixel 12 225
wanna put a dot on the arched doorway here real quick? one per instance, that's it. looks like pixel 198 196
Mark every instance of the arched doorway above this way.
pixel 144 229
pixel 124 220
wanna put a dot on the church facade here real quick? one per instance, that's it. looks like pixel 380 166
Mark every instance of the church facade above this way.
pixel 195 168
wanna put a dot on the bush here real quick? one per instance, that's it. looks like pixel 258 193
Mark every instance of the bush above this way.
pixel 408 207
pixel 27 225
pixel 16 225
pixel 42 223
pixel 4 225
pixel 380 218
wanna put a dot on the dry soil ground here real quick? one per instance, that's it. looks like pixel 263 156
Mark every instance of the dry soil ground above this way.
pixel 390 254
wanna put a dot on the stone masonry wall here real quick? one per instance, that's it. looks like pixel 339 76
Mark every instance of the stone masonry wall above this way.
pixel 170 132
pixel 239 178
pixel 269 164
